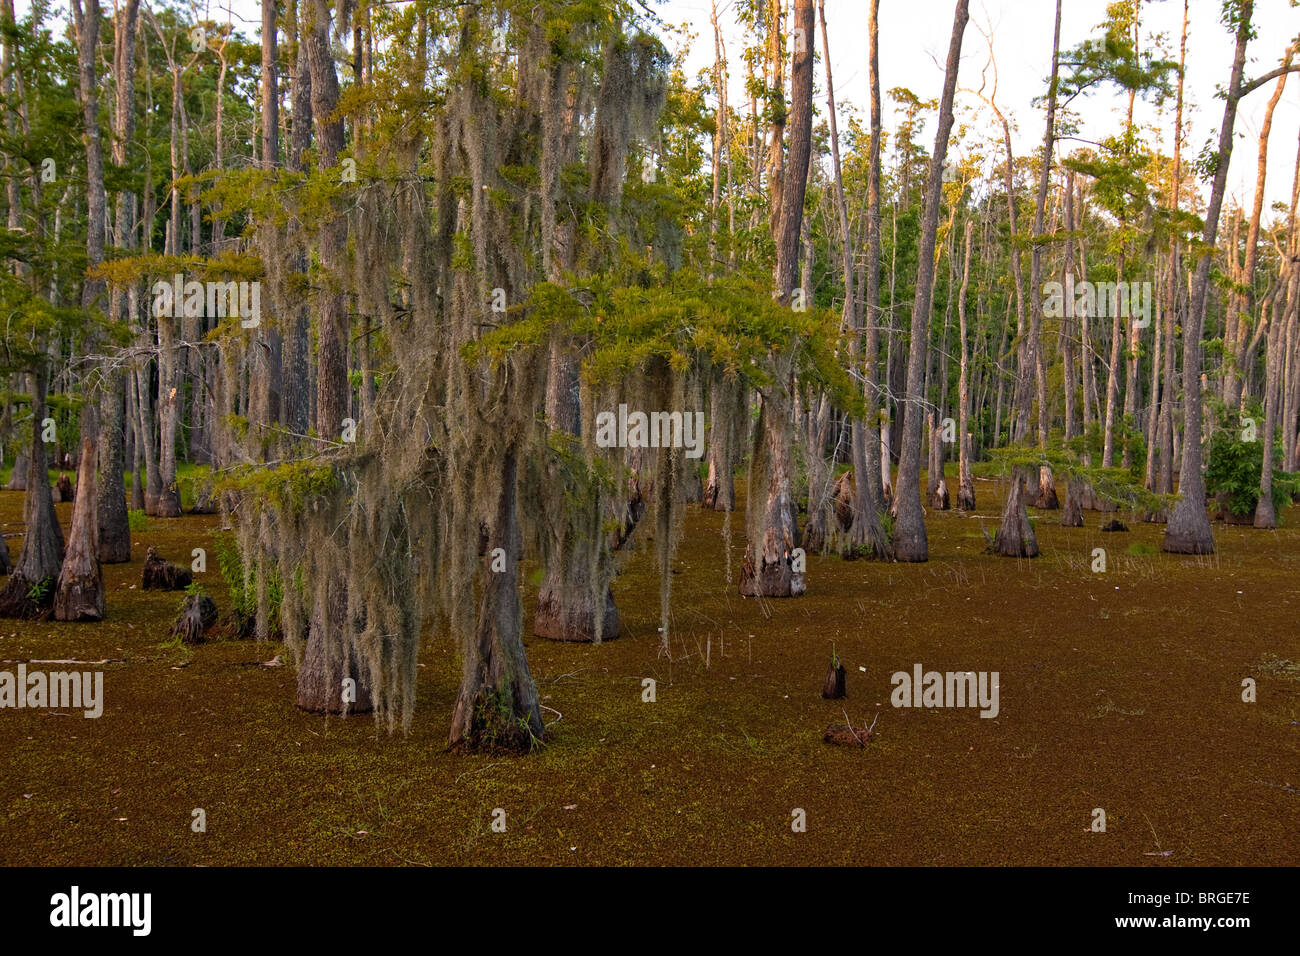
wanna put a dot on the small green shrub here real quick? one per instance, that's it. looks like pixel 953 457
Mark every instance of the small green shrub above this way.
pixel 39 592
pixel 243 600
pixel 1233 475
pixel 137 520
pixel 887 523
pixel 243 594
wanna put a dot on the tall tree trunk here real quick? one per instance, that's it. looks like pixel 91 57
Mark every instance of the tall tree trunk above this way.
pixel 769 569
pixel 38 566
pixel 80 592
pixel 910 541
pixel 727 405
pixel 270 87
pixel 866 530
pixel 296 396
pixel 330 658
pixel 8 84
pixel 875 468
pixel 1112 378
pixel 114 532
pixel 1265 513
pixel 332 381
pixel 147 437
pixel 1069 377
pixel 795 171
pixel 1188 530
pixel 1046 486
pixel 776 143
pixel 773 536
pixel 1241 361
pixel 719 138
pixel 1164 483
pixel 266 351
pixel 168 502
pixel 965 484
pixel 497 708
pixel 87 23
pixel 1290 384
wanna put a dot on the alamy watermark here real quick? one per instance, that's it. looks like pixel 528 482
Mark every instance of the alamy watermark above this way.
pixel 949 689
pixel 1129 300
pixel 192 299
pixel 75 908
pixel 76 690
pixel 653 430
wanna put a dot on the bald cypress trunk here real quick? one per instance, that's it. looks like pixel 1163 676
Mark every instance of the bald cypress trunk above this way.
pixel 772 532
pixel 1188 530
pixel 1164 482
pixel 319 674
pixel 1046 484
pixel 497 708
pixel 910 542
pixel 30 589
pixel 80 592
pixel 332 358
pixel 328 662
pixel 769 569
pixel 295 404
pixel 568 608
pixel 965 484
pixel 1015 537
pixel 270 87
pixel 1265 513
pixel 87 22
pixel 876 469
pixel 114 532
pixel 726 405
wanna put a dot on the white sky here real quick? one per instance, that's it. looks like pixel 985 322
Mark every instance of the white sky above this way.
pixel 914 37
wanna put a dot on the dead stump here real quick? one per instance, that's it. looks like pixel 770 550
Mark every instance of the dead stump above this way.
pixel 833 688
pixel 845 500
pixel 1076 489
pixel 198 615
pixel 1047 499
pixel 939 499
pixel 567 614
pixel 842 735
pixel 160 575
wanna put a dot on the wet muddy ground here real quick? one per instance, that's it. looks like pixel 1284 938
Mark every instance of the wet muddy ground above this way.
pixel 1119 690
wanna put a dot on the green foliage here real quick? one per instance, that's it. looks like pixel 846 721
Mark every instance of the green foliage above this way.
pixel 243 599
pixel 190 482
pixel 1121 486
pixel 684 321
pixel 1234 474
pixel 291 487
pixel 1114 57
pixel 137 520
pixel 39 593
pixel 1140 549
pixel 887 523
